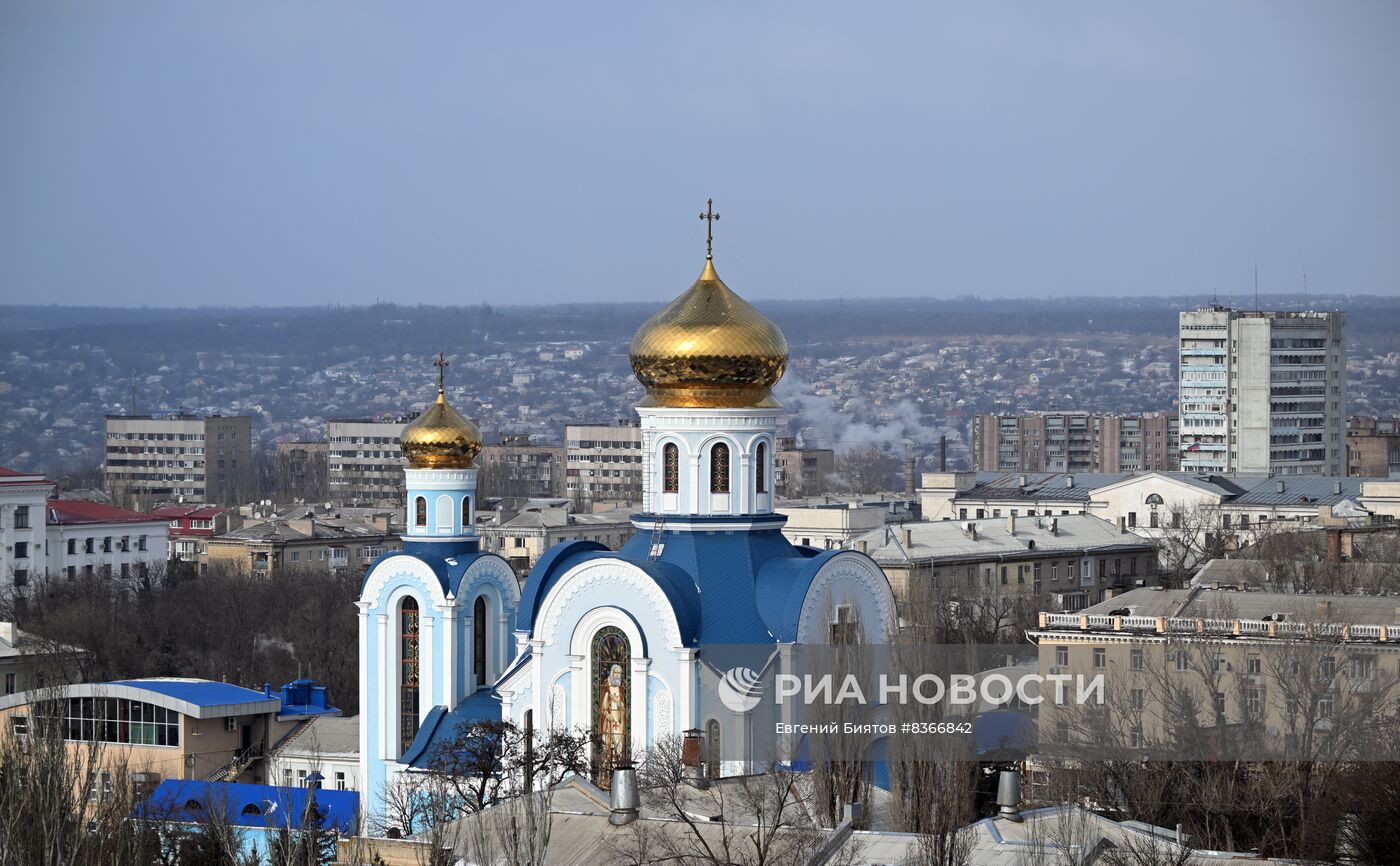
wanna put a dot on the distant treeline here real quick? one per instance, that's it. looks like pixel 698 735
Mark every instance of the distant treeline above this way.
pixel 392 328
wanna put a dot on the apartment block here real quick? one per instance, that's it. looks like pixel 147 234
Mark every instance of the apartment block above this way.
pixel 149 459
pixel 1373 447
pixel 364 465
pixel 801 471
pixel 1263 391
pixel 1075 442
pixel 519 469
pixel 604 461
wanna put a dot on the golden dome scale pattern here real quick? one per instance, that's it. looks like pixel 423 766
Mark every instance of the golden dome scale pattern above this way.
pixel 709 349
pixel 440 438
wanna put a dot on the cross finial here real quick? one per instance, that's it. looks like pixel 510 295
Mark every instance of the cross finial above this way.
pixel 709 216
pixel 441 363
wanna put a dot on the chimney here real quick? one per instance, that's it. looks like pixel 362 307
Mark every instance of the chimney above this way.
pixel 862 545
pixel 1011 524
pixel 1336 488
pixel 1069 481
pixel 625 799
pixel 1009 795
pixel 1278 487
pixel 906 536
pixel 1021 481
pixel 1122 524
pixel 693 758
pixel 943 453
pixel 911 484
pixel 970 530
pixel 1055 526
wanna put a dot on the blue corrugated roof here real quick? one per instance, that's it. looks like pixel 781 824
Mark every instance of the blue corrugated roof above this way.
pixel 547 569
pixel 202 693
pixel 266 807
pixel 439 726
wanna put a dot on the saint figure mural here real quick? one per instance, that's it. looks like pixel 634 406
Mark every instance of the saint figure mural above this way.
pixel 612 687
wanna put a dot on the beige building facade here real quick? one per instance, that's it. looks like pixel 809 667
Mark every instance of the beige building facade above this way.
pixel 604 462
pixel 364 465
pixel 152 459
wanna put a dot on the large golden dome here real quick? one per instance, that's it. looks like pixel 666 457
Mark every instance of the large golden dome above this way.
pixel 440 439
pixel 709 349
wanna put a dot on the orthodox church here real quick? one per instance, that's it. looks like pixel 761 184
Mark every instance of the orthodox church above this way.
pixel 612 642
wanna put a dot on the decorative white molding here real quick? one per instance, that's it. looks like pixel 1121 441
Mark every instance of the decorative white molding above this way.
pixel 854 570
pixel 617 576
pixel 665 724
pixel 405 568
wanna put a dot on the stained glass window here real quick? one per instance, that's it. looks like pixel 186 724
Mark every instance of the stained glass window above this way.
pixel 760 469
pixel 479 640
pixel 671 468
pixel 612 701
pixel 719 468
pixel 408 673
pixel 420 511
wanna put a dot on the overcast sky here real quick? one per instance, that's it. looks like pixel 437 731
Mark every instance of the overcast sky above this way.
pixel 311 152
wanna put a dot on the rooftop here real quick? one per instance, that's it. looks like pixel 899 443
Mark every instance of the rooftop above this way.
pixel 1234 604
pixel 950 540
pixel 74 512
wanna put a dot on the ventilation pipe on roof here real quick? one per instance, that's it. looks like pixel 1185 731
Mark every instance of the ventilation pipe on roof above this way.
pixel 1009 795
pixel 1011 524
pixel 1054 526
pixel 1069 480
pixel 1336 488
pixel 625 800
pixel 1278 486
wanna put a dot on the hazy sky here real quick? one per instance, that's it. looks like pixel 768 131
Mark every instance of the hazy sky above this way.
pixel 306 152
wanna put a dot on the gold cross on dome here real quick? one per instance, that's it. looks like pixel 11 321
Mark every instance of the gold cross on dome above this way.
pixel 441 363
pixel 709 216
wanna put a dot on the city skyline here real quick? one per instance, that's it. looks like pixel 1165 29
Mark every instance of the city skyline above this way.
pixel 443 155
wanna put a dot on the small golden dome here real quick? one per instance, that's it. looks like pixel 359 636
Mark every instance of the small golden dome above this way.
pixel 440 439
pixel 709 349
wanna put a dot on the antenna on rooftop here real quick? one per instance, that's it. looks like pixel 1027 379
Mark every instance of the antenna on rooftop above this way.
pixel 132 410
pixel 1256 287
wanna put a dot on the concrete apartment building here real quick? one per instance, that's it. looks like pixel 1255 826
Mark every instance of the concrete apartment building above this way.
pixel 1373 447
pixel 523 536
pixel 299 471
pixel 518 468
pixel 1075 442
pixel 603 462
pixel 1263 669
pixel 267 546
pixel 1078 560
pixel 364 465
pixel 1263 391
pixel 188 529
pixel 23 523
pixel 801 471
pixel 154 459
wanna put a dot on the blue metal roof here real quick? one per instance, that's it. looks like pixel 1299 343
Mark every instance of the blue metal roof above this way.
pixel 448 560
pixel 266 807
pixel 202 693
pixel 439 726
pixel 547 569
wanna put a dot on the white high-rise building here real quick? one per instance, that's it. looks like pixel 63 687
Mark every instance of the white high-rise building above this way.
pixel 1263 391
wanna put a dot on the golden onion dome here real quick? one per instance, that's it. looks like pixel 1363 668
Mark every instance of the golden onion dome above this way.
pixel 440 438
pixel 709 349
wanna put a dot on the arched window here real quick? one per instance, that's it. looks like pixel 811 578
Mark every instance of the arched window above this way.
pixel 760 468
pixel 719 468
pixel 408 673
pixel 466 513
pixel 670 468
pixel 612 702
pixel 1154 499
pixel 479 640
pixel 420 511
pixel 712 749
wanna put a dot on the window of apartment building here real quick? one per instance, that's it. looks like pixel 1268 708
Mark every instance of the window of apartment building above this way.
pixel 1254 702
pixel 1054 571
pixel 287 777
pixel 519 541
pixel 72 546
pixel 1253 665
pixel 9 684
pixel 1135 738
pixel 21 550
pixel 1135 699
pixel 1183 662
pixel 1003 575
pixel 981 512
pixel 21 577
pixel 996 512
pixel 1100 657
pixel 21 517
pixel 962 513
pixel 1325 706
pixel 1070 568
pixel 71 572
pixel 340 780
pixel 1132 518
pixel 88 545
pixel 1219 703
pixel 1021 573
pixel 1327 667
pixel 1062 656
pixel 1153 520
pixel 1135 660
pixel 107 544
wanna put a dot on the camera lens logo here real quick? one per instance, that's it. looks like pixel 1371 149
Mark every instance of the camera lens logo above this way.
pixel 740 689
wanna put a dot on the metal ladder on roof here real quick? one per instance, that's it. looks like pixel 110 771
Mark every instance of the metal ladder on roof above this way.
pixel 658 538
